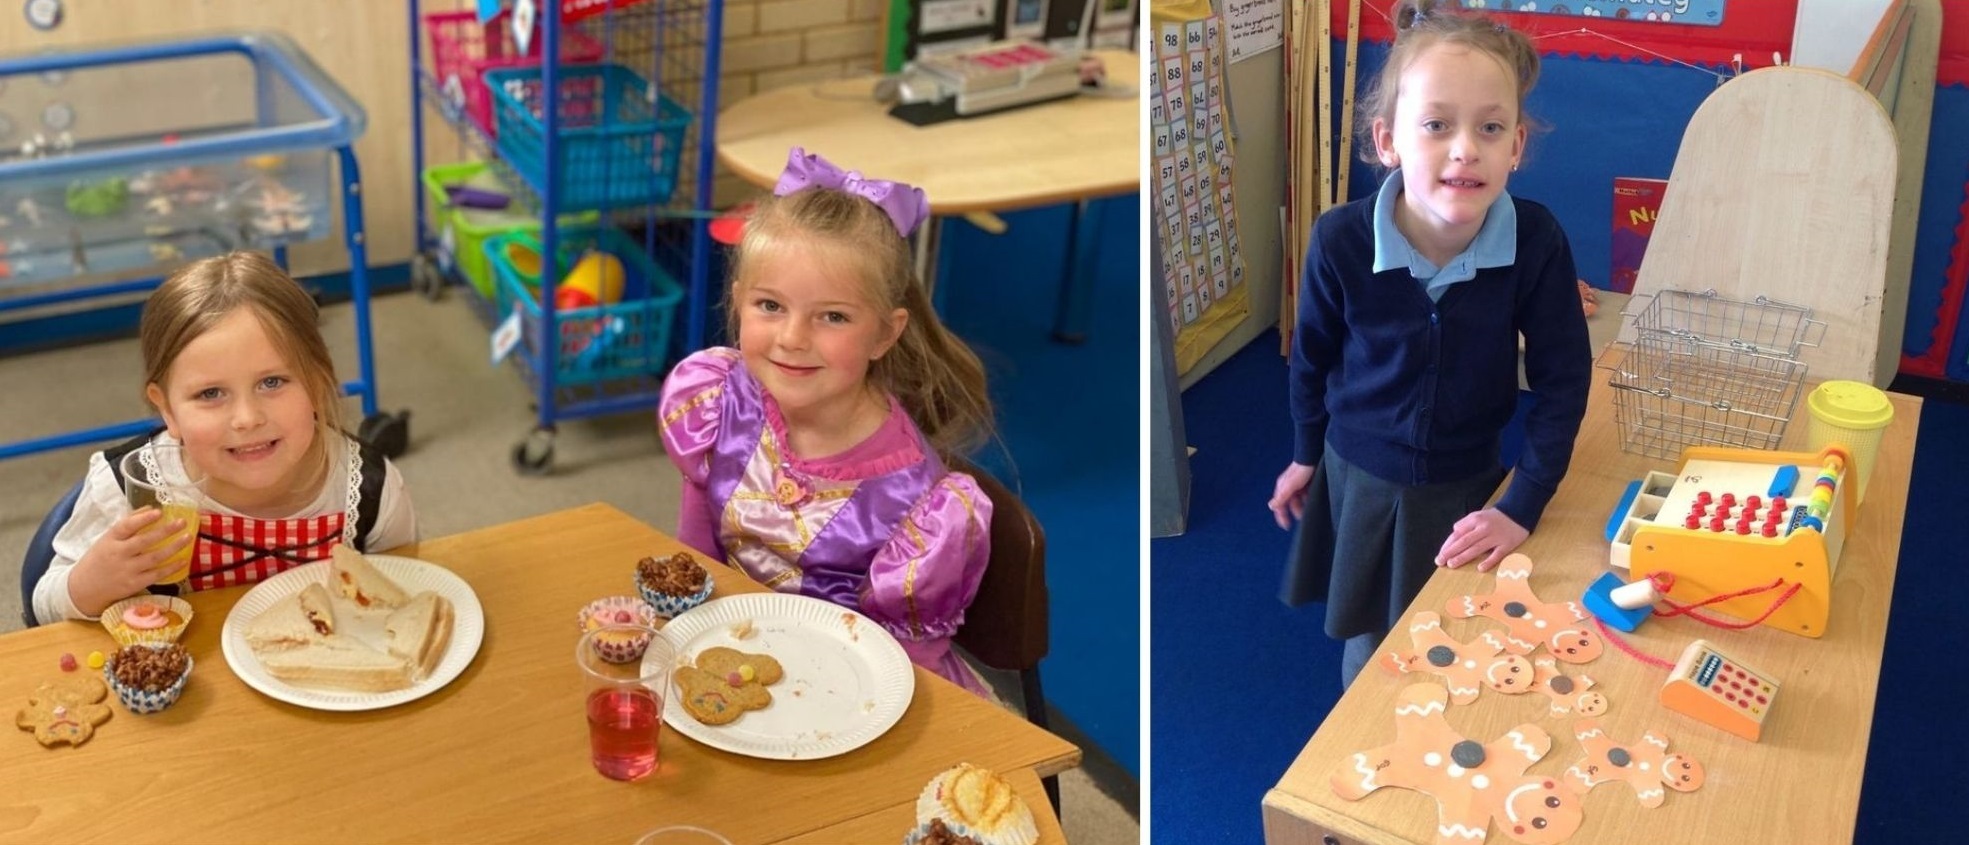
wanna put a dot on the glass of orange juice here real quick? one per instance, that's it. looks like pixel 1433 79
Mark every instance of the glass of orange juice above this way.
pixel 157 475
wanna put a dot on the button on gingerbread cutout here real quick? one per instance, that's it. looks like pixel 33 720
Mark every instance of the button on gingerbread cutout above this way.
pixel 1568 693
pixel 1646 765
pixel 1529 622
pixel 1466 668
pixel 1472 783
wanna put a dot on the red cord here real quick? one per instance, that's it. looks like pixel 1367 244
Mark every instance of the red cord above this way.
pixel 1689 610
pixel 1629 650
pixel 1663 581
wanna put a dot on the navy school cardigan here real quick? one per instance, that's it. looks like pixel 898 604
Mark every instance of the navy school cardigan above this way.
pixel 1418 392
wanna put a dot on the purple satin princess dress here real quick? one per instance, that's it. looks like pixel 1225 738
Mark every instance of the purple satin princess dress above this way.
pixel 882 528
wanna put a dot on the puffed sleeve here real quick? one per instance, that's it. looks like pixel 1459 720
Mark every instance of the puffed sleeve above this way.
pixel 687 411
pixel 921 581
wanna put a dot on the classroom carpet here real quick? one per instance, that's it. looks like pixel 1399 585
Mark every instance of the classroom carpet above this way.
pixel 1209 773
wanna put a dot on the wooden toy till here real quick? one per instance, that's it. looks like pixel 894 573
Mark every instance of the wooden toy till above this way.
pixel 1766 560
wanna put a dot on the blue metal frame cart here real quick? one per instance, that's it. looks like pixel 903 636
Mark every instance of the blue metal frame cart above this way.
pixel 618 171
pixel 196 147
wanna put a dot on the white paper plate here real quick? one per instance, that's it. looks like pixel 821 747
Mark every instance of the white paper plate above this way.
pixel 415 576
pixel 847 680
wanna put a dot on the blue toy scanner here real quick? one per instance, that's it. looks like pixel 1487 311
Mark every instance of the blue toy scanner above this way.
pixel 1620 604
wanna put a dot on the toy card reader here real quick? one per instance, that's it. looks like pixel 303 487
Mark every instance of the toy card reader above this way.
pixel 1720 690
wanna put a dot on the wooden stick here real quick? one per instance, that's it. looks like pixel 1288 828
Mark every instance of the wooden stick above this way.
pixel 1346 161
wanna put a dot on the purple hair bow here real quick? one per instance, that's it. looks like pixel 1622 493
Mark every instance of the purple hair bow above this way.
pixel 906 206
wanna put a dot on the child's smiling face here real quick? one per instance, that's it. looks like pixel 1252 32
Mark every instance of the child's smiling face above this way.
pixel 241 411
pixel 1456 134
pixel 807 330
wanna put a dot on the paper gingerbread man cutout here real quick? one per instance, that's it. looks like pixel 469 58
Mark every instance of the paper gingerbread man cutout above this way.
pixel 1646 766
pixel 1471 782
pixel 1466 668
pixel 1567 692
pixel 1529 622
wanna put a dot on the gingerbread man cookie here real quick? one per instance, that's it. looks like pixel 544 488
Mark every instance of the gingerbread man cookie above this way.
pixel 1645 766
pixel 1568 693
pixel 727 682
pixel 1529 622
pixel 65 710
pixel 1471 782
pixel 1464 667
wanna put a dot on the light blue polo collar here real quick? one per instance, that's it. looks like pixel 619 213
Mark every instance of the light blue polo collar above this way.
pixel 1496 244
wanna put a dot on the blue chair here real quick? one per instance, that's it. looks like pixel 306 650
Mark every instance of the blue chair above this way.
pixel 41 550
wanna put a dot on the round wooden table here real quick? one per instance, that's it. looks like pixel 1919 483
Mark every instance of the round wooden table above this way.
pixel 1072 150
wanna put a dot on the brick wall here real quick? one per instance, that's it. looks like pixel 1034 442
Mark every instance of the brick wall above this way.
pixel 775 43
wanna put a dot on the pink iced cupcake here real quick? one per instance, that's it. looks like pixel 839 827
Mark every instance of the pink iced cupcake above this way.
pixel 618 610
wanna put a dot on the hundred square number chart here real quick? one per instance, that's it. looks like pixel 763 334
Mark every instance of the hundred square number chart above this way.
pixel 1192 151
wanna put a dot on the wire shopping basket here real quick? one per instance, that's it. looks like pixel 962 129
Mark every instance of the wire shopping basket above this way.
pixel 1706 370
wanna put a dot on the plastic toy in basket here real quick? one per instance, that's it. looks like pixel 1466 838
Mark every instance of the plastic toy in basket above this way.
pixel 628 338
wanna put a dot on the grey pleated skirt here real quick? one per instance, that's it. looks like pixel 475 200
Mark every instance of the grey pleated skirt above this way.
pixel 1366 546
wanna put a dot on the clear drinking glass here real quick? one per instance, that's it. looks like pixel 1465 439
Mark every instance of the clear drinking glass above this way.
pixel 682 835
pixel 157 475
pixel 624 700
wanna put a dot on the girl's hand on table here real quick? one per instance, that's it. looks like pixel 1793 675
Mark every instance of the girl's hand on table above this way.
pixel 1485 536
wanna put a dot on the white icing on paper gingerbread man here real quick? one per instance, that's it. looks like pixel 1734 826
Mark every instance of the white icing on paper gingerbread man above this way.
pixel 1466 668
pixel 1529 622
pixel 1645 766
pixel 1471 782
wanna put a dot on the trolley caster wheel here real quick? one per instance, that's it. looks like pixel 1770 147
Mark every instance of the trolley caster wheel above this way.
pixel 425 278
pixel 535 454
pixel 387 433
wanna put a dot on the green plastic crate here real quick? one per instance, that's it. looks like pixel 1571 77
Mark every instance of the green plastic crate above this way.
pixel 468 228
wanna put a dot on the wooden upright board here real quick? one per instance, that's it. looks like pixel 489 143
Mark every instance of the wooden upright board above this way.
pixel 1784 188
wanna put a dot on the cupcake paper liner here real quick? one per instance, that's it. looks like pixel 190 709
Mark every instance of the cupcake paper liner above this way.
pixel 922 832
pixel 668 606
pixel 112 620
pixel 625 650
pixel 142 702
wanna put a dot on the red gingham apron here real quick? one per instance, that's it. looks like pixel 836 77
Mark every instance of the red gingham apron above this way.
pixel 233 550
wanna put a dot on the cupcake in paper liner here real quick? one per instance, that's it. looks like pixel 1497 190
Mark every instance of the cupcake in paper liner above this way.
pixel 975 802
pixel 618 610
pixel 672 585
pixel 936 832
pixel 148 677
pixel 147 619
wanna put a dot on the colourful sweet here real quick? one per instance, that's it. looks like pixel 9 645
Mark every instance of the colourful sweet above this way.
pixel 96 660
pixel 68 662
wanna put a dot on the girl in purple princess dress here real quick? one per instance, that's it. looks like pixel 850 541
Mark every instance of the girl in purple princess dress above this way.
pixel 813 454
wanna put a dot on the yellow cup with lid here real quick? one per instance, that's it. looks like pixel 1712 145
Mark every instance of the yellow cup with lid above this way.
pixel 1852 414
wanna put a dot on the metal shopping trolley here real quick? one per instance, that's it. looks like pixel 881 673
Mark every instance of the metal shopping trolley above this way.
pixel 215 143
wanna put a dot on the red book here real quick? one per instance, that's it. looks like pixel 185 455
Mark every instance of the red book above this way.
pixel 1635 204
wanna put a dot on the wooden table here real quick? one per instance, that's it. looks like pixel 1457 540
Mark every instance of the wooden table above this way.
pixel 499 755
pixel 1072 150
pixel 1800 784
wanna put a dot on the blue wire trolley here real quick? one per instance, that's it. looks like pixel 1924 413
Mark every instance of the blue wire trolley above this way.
pixel 602 130
pixel 178 150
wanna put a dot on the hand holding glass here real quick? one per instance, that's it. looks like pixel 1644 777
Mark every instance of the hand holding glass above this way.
pixel 176 488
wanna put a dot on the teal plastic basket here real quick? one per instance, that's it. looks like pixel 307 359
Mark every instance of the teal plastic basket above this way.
pixel 625 339
pixel 618 141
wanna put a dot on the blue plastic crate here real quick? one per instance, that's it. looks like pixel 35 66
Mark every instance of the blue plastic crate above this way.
pixel 619 138
pixel 628 338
